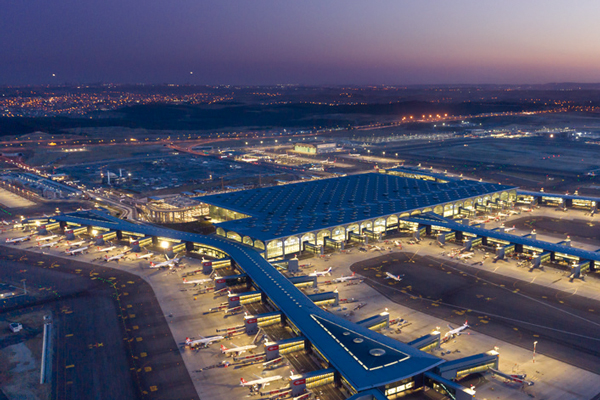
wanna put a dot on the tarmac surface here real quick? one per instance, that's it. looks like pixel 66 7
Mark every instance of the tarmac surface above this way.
pixel 577 229
pixel 111 339
pixel 515 311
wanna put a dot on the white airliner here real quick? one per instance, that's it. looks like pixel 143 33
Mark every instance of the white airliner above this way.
pixel 147 255
pixel 5 223
pixel 237 349
pixel 77 250
pixel 455 331
pixel 76 243
pixel 203 341
pixel 260 381
pixel 116 257
pixel 169 263
pixel 18 240
pixel 520 378
pixel 526 209
pixel 320 273
pixel 346 278
pixel 509 229
pixel 397 278
pixel 44 238
pixel 466 255
pixel 198 281
pixel 376 248
pixel 109 248
pixel 49 244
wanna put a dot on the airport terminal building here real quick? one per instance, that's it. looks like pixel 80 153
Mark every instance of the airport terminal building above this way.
pixel 284 220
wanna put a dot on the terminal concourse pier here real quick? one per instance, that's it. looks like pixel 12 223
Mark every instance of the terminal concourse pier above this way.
pixel 262 224
pixel 284 220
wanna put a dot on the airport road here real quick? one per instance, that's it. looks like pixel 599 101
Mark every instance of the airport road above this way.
pixel 518 312
pixel 111 337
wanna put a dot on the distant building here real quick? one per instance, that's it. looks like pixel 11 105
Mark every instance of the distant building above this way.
pixel 173 209
pixel 315 148
pixel 46 188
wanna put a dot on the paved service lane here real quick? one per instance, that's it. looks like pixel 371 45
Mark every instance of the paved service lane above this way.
pixel 566 326
pixel 112 338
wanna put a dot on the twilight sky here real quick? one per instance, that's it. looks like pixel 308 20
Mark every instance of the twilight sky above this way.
pixel 299 41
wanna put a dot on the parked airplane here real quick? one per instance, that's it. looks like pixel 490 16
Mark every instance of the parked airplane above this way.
pixel 77 250
pixel 147 255
pixel 320 273
pixel 237 349
pixel 116 257
pixel 198 281
pixel 203 341
pixel 466 255
pixel 49 244
pixel 376 248
pixel 260 381
pixel 76 243
pixel 44 238
pixel 509 229
pixel 5 223
pixel 389 275
pixel 18 240
pixel 520 378
pixel 455 331
pixel 109 248
pixel 346 278
pixel 168 263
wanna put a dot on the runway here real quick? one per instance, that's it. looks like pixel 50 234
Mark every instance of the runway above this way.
pixel 111 340
pixel 566 326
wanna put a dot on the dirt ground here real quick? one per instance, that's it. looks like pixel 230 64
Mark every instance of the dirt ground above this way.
pixel 20 357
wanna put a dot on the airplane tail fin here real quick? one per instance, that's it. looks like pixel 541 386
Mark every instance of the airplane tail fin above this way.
pixel 223 348
pixel 243 381
pixel 354 273
pixel 152 263
pixel 184 280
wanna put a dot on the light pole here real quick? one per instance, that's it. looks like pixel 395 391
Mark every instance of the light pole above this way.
pixel 534 344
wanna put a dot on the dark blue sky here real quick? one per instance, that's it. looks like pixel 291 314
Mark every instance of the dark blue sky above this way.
pixel 305 42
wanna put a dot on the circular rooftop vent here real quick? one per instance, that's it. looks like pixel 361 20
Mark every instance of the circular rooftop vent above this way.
pixel 346 333
pixel 358 340
pixel 377 352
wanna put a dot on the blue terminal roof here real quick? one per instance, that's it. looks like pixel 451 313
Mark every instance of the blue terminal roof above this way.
pixel 282 211
pixel 432 219
pixel 365 358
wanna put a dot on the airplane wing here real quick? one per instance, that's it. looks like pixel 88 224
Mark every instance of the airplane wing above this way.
pixel 450 327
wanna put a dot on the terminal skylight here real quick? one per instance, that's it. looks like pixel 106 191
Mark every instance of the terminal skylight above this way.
pixel 369 353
